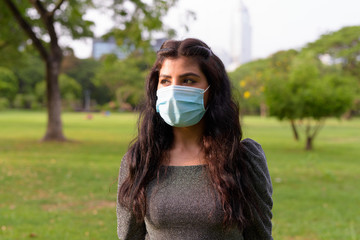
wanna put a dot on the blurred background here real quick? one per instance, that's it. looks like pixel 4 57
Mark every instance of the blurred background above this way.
pixel 72 77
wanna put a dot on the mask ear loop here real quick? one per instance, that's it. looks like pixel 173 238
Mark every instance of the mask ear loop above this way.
pixel 207 88
pixel 203 97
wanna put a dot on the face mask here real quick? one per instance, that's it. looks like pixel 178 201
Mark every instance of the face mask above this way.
pixel 181 106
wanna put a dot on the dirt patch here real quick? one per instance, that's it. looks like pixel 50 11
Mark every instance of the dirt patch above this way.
pixel 301 238
pixel 90 206
pixel 97 205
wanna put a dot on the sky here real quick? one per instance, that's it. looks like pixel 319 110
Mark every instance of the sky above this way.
pixel 276 24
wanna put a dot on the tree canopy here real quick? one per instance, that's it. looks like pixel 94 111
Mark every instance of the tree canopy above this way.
pixel 250 80
pixel 342 48
pixel 8 84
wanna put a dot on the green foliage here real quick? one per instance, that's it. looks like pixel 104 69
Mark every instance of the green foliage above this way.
pixel 69 88
pixel 8 84
pixel 344 43
pixel 29 72
pixel 82 70
pixel 69 19
pixel 343 49
pixel 40 91
pixel 249 79
pixel 308 92
pixel 311 91
pixel 124 78
pixel 11 37
pixel 70 91
pixel 27 101
pixel 136 27
pixel 137 20
pixel 4 103
pixel 129 96
pixel 279 99
pixel 72 21
pixel 338 95
pixel 101 94
pixel 28 69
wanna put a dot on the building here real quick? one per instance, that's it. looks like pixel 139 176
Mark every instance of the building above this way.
pixel 246 36
pixel 101 47
pixel 241 36
pixel 156 43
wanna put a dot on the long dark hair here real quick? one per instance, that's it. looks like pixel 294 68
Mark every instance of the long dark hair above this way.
pixel 221 140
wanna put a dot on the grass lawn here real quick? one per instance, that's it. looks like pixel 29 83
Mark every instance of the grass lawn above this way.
pixel 68 190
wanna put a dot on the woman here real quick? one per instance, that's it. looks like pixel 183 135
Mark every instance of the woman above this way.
pixel 188 175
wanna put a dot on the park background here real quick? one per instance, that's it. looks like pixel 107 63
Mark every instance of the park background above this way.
pixel 65 121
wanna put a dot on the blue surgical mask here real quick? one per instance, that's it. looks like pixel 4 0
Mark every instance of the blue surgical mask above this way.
pixel 181 106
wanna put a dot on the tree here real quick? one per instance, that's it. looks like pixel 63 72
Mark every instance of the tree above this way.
pixel 128 97
pixel 83 71
pixel 342 48
pixel 44 21
pixel 8 84
pixel 279 68
pixel 29 71
pixel 124 78
pixel 250 79
pixel 311 93
pixel 10 39
pixel 70 90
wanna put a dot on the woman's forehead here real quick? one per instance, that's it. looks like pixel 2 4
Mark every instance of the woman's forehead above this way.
pixel 179 64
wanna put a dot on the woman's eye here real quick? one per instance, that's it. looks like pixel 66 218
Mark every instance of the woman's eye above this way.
pixel 188 81
pixel 164 81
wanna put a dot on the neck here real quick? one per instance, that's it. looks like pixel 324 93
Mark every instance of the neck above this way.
pixel 186 149
pixel 188 137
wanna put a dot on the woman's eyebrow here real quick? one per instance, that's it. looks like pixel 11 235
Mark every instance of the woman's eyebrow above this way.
pixel 165 76
pixel 189 74
pixel 182 75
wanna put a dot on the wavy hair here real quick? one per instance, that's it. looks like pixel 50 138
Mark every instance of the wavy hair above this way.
pixel 221 140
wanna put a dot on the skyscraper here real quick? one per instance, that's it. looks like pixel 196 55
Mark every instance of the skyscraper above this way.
pixel 240 36
pixel 101 47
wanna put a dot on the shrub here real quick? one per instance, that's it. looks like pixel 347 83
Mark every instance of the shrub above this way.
pixel 4 103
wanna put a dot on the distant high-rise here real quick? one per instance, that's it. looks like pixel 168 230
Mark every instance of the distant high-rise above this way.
pixel 245 55
pixel 101 47
pixel 240 36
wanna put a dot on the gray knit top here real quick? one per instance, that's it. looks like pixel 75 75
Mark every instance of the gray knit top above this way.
pixel 184 205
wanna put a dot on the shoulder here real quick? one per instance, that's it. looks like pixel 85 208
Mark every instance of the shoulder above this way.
pixel 253 149
pixel 124 168
pixel 256 163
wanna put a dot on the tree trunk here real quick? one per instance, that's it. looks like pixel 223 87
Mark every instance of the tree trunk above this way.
pixel 294 130
pixel 54 131
pixel 263 110
pixel 309 145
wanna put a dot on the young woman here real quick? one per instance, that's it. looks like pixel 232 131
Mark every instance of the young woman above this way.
pixel 188 174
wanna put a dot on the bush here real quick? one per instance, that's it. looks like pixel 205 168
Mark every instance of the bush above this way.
pixel 28 101
pixel 128 97
pixel 8 84
pixel 4 103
